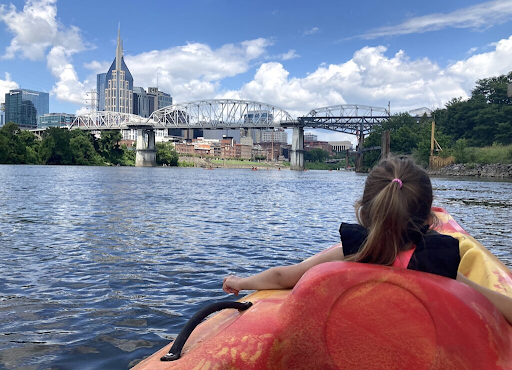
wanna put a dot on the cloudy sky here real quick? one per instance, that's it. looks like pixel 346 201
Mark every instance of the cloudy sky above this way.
pixel 297 55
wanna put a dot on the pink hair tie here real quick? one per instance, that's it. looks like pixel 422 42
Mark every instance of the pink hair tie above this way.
pixel 399 182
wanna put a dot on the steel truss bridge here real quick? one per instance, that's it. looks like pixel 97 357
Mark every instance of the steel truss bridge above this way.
pixel 203 114
pixel 348 118
pixel 233 114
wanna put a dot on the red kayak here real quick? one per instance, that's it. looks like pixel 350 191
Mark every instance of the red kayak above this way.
pixel 344 315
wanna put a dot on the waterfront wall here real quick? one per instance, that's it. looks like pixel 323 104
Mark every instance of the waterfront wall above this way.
pixel 478 170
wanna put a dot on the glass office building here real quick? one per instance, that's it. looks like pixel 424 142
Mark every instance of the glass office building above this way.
pixel 23 107
pixel 101 83
pixel 55 120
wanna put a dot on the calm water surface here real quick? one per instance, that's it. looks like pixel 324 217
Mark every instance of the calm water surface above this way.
pixel 101 266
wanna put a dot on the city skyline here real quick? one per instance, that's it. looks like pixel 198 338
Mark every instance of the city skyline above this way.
pixel 295 55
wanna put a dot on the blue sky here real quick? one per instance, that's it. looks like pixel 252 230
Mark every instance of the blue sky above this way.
pixel 297 55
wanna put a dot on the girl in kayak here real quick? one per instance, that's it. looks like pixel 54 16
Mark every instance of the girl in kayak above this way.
pixel 394 216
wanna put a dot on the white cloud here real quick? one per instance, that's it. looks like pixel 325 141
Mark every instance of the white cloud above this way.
pixel 311 31
pixel 291 54
pixel 471 51
pixel 37 35
pixel 98 67
pixel 193 71
pixel 81 111
pixel 68 87
pixel 6 85
pixel 36 29
pixel 478 16
pixel 372 78
pixel 483 65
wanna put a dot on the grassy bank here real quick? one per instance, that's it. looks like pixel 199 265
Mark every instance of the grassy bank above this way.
pixel 247 164
pixel 483 155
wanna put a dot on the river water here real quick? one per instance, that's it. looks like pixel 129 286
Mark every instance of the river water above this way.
pixel 102 266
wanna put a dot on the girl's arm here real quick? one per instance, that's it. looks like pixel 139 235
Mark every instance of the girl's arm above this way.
pixel 502 302
pixel 282 277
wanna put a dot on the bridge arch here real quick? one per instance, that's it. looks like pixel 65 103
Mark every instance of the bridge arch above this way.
pixel 220 113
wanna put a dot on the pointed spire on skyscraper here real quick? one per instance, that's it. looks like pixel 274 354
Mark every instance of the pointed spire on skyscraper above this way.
pixel 119 82
pixel 119 49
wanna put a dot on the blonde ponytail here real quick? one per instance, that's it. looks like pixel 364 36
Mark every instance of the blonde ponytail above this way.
pixel 396 203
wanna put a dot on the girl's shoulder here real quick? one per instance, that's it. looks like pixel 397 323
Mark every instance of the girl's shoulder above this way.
pixel 438 254
pixel 352 237
pixel 440 241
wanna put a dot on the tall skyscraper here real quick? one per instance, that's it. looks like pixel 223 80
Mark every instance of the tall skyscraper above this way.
pixel 23 107
pixel 101 82
pixel 158 99
pixel 119 83
pixel 141 102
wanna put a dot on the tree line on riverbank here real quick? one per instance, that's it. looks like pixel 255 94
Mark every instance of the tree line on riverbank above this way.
pixel 72 147
pixel 475 130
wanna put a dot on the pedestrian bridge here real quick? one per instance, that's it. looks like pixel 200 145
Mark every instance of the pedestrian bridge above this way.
pixel 202 114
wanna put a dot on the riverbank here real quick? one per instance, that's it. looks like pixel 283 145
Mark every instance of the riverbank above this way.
pixel 230 163
pixel 502 171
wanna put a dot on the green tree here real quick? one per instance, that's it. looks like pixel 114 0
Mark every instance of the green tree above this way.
pixel 13 149
pixel 29 140
pixel 316 155
pixel 129 154
pixel 55 147
pixel 4 149
pixel 494 89
pixel 483 119
pixel 166 154
pixel 109 147
pixel 83 152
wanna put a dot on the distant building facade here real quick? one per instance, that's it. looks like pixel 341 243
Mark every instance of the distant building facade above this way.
pixel 101 85
pixel 158 99
pixel 274 136
pixel 220 134
pixel 23 107
pixel 308 136
pixel 253 133
pixel 141 102
pixel 324 145
pixel 55 120
pixel 119 83
pixel 340 146
pixel 2 117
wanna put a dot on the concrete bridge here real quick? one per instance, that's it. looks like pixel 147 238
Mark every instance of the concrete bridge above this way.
pixel 232 114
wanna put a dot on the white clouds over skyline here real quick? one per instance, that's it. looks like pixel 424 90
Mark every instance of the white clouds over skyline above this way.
pixel 197 70
pixel 368 78
pixel 477 16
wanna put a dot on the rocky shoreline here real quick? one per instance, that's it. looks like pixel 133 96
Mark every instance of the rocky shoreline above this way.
pixel 501 171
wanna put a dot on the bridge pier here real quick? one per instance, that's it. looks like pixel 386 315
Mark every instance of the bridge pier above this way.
pixel 297 152
pixel 146 151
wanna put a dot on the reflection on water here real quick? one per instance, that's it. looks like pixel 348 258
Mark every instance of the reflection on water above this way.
pixel 102 266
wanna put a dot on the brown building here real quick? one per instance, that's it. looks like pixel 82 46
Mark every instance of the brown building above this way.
pixel 324 145
pixel 243 151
